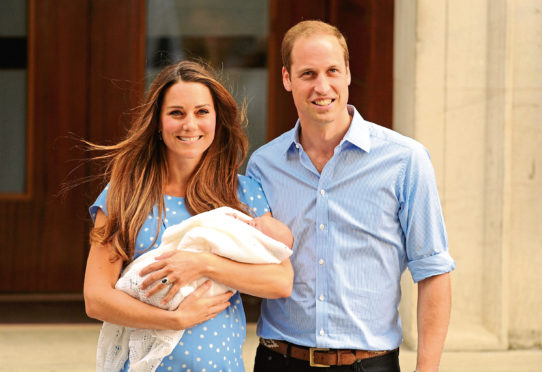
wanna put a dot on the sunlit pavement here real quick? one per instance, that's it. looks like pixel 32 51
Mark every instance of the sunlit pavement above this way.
pixel 63 348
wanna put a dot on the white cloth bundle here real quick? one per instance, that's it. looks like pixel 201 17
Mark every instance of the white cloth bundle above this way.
pixel 216 231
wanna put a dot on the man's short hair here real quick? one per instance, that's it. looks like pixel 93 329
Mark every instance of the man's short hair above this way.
pixel 306 29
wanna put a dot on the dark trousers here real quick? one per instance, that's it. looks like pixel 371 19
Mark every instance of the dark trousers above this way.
pixel 268 360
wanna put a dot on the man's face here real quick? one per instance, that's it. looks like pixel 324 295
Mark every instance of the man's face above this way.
pixel 318 79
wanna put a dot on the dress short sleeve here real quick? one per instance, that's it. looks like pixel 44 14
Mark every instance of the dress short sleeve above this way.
pixel 99 204
pixel 250 192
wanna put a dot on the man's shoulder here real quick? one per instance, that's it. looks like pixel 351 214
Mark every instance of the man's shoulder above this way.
pixel 280 143
pixel 382 136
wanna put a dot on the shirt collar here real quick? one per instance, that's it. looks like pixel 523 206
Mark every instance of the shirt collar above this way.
pixel 292 138
pixel 358 133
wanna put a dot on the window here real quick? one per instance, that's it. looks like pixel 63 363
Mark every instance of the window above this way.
pixel 13 76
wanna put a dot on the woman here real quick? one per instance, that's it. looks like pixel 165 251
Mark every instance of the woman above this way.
pixel 180 158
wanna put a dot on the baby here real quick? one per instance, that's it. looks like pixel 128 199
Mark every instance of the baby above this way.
pixel 223 231
pixel 271 227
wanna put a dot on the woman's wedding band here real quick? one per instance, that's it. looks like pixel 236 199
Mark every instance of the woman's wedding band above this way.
pixel 165 280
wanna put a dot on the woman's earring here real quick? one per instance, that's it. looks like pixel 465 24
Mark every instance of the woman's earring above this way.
pixel 160 136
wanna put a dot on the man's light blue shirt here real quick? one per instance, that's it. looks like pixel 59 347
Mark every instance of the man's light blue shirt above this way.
pixel 373 211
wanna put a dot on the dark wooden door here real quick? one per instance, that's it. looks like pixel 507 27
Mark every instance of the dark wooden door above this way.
pixel 85 68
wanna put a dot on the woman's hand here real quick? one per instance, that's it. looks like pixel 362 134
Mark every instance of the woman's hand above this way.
pixel 179 267
pixel 196 308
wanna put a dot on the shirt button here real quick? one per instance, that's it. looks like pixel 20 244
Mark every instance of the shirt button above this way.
pixel 321 297
pixel 321 261
pixel 322 192
pixel 321 332
pixel 296 146
pixel 322 226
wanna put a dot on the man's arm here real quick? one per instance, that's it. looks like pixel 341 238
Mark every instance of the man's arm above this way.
pixel 434 304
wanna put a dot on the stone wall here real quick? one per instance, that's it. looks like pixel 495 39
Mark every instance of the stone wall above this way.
pixel 468 85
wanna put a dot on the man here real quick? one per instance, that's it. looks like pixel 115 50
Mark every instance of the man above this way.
pixel 362 203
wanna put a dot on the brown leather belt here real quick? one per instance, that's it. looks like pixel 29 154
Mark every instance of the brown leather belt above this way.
pixel 320 357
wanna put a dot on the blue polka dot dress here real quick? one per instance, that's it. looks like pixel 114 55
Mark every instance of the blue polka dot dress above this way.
pixel 217 344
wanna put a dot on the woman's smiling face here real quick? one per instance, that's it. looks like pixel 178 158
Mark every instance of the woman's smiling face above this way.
pixel 187 122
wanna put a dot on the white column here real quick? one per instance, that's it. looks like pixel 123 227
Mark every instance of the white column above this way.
pixel 525 243
pixel 453 71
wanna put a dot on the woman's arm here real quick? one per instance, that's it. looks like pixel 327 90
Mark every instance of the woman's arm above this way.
pixel 104 302
pixel 261 280
pixel 182 267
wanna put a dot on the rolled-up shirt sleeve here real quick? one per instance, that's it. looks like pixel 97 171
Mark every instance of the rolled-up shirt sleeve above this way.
pixel 421 219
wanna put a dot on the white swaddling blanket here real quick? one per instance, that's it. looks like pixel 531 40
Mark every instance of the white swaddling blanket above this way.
pixel 216 231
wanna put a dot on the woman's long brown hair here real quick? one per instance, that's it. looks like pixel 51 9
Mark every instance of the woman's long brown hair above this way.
pixel 137 167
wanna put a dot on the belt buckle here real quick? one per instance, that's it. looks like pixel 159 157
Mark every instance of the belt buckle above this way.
pixel 311 356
